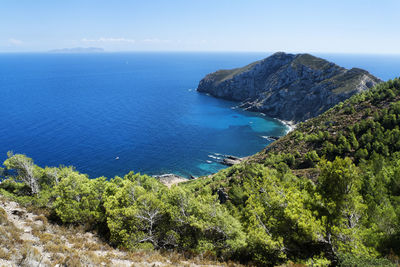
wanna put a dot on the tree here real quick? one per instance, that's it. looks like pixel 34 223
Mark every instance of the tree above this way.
pixel 339 184
pixel 311 158
pixel 278 217
pixel 135 215
pixel 79 199
pixel 25 169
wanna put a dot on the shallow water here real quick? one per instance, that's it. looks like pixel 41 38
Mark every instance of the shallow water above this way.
pixel 86 110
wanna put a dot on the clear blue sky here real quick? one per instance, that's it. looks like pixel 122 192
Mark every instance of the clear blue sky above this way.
pixel 351 26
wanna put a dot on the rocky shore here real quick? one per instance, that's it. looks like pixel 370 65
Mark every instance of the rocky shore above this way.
pixel 170 179
pixel 230 160
pixel 288 87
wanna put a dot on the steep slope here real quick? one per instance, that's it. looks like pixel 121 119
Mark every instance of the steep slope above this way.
pixel 286 86
pixel 28 239
pixel 331 187
pixel 328 193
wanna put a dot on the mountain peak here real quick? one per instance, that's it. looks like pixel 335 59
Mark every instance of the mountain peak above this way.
pixel 293 87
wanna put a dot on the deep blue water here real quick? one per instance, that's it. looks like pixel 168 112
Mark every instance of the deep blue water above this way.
pixel 86 110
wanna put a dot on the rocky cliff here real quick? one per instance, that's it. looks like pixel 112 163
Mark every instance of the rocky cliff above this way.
pixel 287 86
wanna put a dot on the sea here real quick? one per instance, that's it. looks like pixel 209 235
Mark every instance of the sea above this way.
pixel 108 114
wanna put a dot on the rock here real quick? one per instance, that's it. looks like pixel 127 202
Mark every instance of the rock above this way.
pixel 19 213
pixel 287 86
pixel 170 179
pixel 230 160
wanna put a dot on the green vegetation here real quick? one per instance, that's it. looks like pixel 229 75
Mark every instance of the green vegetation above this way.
pixel 327 193
pixel 223 75
pixel 312 62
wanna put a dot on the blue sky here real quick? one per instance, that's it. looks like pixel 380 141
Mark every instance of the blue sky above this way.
pixel 352 26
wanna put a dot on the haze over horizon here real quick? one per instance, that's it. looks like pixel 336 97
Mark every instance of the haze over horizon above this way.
pixel 368 27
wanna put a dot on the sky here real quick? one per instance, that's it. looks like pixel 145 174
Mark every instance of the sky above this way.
pixel 322 26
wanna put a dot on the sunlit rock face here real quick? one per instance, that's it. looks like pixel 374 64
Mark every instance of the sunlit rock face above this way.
pixel 287 86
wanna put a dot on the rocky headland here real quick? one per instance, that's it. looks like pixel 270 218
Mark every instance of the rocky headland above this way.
pixel 287 86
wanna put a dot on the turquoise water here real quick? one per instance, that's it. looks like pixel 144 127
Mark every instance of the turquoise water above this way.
pixel 87 110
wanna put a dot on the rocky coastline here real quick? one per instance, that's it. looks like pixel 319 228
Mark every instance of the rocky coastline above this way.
pixel 289 87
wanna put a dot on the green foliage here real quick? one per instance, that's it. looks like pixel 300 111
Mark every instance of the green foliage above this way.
pixel 349 110
pixel 277 216
pixel 342 206
pixel 16 188
pixel 350 260
pixel 318 261
pixel 311 158
pixel 134 215
pixel 25 169
pixel 298 136
pixel 143 213
pixel 338 179
pixel 328 193
pixel 79 199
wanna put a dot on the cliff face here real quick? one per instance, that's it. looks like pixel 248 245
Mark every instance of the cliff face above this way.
pixel 288 87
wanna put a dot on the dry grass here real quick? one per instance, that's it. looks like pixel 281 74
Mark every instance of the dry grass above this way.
pixel 92 246
pixel 98 260
pixel 41 218
pixel 39 242
pixel 13 248
pixel 29 255
pixel 38 229
pixel 45 237
pixel 9 234
pixel 4 254
pixel 56 248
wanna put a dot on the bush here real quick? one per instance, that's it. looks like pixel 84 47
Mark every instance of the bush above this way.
pixel 311 158
pixel 20 189
pixel 79 199
pixel 351 260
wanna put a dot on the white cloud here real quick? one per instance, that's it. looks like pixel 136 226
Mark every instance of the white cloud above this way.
pixel 109 40
pixel 14 41
pixel 155 41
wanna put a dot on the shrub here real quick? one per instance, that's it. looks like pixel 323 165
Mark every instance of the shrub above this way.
pixel 311 158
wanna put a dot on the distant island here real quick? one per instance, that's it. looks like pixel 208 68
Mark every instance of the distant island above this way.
pixel 78 50
pixel 290 87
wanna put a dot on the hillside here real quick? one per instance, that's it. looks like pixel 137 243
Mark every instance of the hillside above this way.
pixel 29 239
pixel 343 167
pixel 328 193
pixel 288 87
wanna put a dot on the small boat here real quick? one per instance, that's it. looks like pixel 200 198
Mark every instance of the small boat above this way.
pixel 116 158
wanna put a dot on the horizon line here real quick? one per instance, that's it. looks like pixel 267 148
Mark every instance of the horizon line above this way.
pixel 191 51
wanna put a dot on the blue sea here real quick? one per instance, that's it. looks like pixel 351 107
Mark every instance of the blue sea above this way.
pixel 110 113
